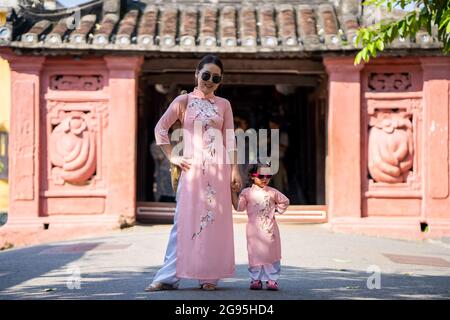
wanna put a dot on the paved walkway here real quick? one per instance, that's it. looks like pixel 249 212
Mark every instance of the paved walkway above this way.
pixel 316 264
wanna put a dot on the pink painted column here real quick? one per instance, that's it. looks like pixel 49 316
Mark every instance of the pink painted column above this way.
pixel 24 137
pixel 344 139
pixel 436 95
pixel 121 147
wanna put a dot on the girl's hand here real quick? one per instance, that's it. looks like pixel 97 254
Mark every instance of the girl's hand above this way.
pixel 181 162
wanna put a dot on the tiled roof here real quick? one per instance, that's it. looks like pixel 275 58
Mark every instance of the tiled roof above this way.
pixel 239 26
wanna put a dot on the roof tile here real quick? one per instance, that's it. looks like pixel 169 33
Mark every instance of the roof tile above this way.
pixel 85 27
pixel 168 26
pixel 227 26
pixel 287 25
pixel 234 26
pixel 208 25
pixel 104 30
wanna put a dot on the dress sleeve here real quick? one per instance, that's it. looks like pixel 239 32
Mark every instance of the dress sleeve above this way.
pixel 281 202
pixel 172 114
pixel 242 204
pixel 228 128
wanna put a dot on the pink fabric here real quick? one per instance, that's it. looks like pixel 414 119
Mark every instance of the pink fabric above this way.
pixel 263 236
pixel 205 247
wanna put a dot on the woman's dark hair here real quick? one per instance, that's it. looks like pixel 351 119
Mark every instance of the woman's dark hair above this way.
pixel 210 58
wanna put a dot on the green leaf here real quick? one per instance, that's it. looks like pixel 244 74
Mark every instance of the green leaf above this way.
pixel 358 37
pixel 401 28
pixel 444 22
pixel 389 31
pixel 427 15
pixel 408 21
pixel 365 54
pixel 358 58
pixel 380 45
pixel 372 49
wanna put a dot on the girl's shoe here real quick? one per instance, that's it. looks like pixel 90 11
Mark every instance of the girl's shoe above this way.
pixel 272 285
pixel 256 285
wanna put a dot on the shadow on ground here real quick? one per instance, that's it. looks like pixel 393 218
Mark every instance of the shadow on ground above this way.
pixel 20 265
pixel 40 272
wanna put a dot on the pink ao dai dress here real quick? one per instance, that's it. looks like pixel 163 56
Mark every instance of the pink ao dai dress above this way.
pixel 204 238
pixel 263 235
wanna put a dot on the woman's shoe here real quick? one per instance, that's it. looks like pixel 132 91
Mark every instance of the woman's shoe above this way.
pixel 256 285
pixel 208 286
pixel 159 286
pixel 272 285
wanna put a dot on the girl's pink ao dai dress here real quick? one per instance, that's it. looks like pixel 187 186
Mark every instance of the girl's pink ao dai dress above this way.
pixel 263 236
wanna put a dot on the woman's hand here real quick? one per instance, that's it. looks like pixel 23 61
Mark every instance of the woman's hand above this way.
pixel 236 179
pixel 180 162
pixel 235 187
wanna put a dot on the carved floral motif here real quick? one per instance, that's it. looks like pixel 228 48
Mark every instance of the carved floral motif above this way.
pixel 72 147
pixel 74 82
pixel 389 82
pixel 391 146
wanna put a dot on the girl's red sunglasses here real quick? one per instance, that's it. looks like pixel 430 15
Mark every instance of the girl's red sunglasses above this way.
pixel 260 176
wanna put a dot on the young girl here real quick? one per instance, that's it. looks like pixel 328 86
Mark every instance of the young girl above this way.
pixel 263 236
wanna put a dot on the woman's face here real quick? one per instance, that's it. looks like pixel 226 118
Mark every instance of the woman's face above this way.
pixel 208 86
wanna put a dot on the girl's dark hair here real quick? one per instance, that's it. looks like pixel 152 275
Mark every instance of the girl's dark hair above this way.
pixel 210 58
pixel 253 168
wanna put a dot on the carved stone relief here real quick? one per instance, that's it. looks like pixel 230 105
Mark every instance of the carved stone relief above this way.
pixel 391 146
pixel 385 82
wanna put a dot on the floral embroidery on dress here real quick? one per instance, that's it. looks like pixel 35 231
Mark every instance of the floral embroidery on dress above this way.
pixel 264 208
pixel 209 216
pixel 210 193
pixel 209 151
pixel 204 111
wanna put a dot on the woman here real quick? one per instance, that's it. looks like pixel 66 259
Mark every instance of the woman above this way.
pixel 201 240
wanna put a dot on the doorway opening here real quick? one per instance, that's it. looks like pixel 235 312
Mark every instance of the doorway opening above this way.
pixel 300 112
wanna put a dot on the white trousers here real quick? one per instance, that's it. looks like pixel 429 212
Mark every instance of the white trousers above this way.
pixel 265 272
pixel 167 273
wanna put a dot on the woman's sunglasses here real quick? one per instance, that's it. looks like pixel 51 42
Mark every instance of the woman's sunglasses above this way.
pixel 206 76
pixel 260 176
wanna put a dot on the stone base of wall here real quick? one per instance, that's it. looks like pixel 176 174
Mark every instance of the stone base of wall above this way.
pixel 396 228
pixel 25 232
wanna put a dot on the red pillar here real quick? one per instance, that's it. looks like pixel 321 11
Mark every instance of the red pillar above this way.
pixel 122 154
pixel 24 138
pixel 436 95
pixel 344 141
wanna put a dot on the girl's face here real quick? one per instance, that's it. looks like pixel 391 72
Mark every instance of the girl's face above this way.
pixel 261 180
pixel 207 77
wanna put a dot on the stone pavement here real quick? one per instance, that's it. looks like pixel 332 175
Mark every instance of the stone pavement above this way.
pixel 316 264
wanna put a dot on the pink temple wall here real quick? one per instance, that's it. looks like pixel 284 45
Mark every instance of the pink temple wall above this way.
pixel 73 146
pixel 388 163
